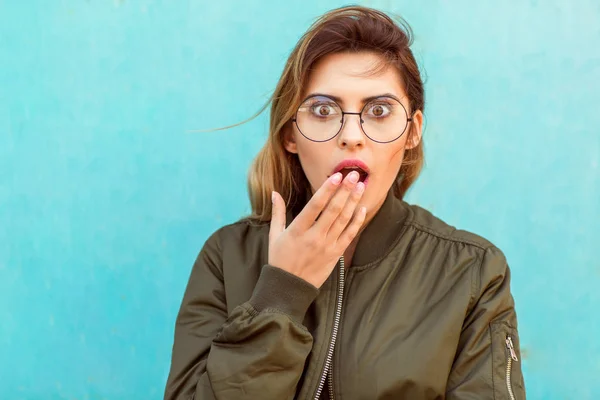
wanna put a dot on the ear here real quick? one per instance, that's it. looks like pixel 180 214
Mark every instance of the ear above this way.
pixel 416 132
pixel 289 140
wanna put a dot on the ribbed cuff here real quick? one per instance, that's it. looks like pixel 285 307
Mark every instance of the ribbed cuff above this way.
pixel 281 290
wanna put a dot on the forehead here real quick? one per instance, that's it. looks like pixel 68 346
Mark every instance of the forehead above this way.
pixel 350 76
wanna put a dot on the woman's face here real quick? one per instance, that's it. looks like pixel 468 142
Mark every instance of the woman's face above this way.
pixel 342 77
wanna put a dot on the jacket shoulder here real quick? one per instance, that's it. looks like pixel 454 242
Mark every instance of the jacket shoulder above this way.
pixel 240 233
pixel 424 220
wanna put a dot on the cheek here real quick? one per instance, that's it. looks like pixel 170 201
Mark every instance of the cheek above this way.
pixel 314 160
pixel 397 155
pixel 393 157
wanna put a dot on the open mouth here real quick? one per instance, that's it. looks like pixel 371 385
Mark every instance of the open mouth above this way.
pixel 363 175
pixel 347 166
pixel 353 164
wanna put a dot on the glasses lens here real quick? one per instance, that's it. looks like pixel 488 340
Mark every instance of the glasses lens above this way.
pixel 384 119
pixel 319 118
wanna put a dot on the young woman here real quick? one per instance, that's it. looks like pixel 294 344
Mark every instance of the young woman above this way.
pixel 335 287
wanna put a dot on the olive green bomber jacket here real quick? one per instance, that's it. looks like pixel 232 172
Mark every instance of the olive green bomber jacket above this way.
pixel 424 312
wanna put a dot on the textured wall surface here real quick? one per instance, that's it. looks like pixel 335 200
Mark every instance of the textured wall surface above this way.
pixel 106 198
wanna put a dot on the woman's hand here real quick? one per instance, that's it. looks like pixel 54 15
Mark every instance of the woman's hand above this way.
pixel 310 248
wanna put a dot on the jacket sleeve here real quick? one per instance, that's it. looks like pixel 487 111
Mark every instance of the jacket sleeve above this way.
pixel 484 366
pixel 257 351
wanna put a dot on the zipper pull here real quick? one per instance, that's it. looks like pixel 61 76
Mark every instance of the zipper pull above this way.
pixel 511 348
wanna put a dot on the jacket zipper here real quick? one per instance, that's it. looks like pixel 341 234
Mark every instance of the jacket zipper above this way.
pixel 336 325
pixel 512 356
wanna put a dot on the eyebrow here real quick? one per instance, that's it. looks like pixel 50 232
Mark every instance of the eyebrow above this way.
pixel 364 100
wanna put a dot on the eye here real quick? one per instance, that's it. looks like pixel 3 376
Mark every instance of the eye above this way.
pixel 323 109
pixel 379 110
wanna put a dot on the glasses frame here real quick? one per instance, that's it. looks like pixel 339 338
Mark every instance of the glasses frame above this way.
pixel 343 120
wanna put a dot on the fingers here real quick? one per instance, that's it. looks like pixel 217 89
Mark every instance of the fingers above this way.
pixel 348 211
pixel 352 230
pixel 337 204
pixel 317 203
pixel 277 216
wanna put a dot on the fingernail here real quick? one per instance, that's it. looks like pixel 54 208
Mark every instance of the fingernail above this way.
pixel 353 177
pixel 336 178
pixel 360 187
pixel 273 197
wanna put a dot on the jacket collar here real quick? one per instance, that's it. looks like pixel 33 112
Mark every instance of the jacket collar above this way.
pixel 380 234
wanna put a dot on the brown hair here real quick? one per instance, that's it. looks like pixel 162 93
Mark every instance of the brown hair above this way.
pixel 346 29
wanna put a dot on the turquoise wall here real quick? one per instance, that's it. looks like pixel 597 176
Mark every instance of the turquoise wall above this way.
pixel 105 198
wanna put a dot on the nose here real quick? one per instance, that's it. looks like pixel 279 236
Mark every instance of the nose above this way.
pixel 351 136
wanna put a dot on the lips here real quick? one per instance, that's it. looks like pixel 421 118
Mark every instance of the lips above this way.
pixel 349 165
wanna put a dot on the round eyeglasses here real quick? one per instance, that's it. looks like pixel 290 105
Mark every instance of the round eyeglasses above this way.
pixel 382 119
